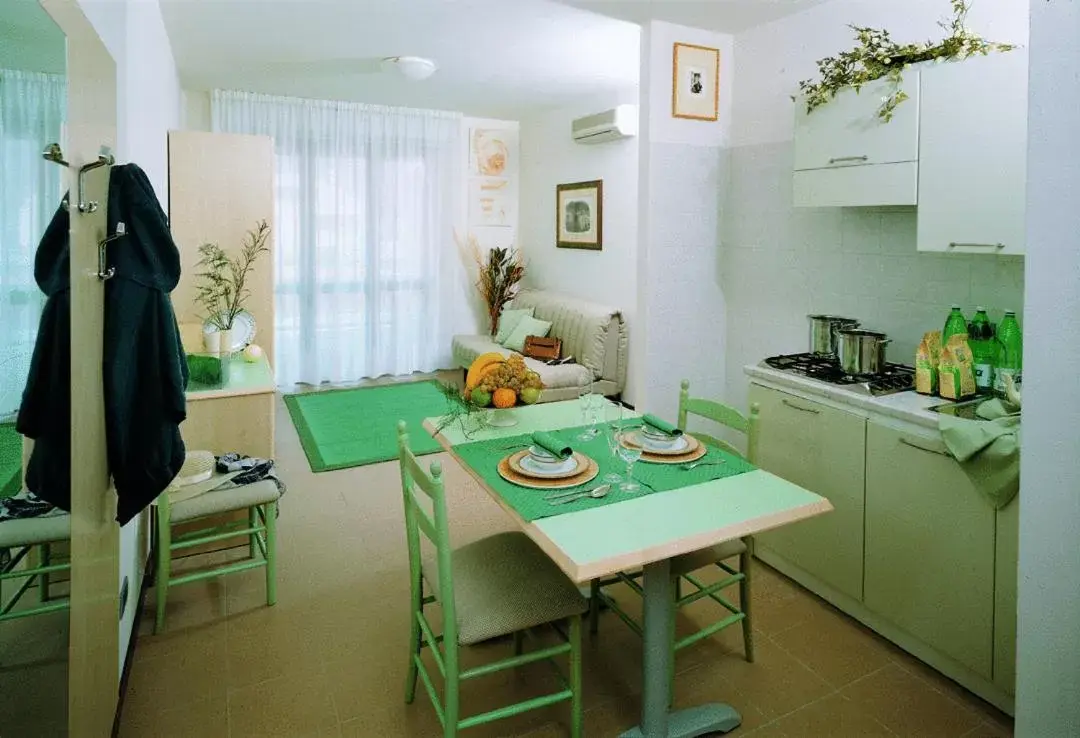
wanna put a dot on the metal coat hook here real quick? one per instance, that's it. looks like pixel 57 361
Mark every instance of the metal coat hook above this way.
pixel 104 272
pixel 53 153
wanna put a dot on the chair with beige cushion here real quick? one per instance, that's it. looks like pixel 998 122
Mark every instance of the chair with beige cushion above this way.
pixel 494 587
pixel 594 335
pixel 22 537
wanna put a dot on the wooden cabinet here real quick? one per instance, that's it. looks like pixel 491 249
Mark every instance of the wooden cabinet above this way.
pixel 929 547
pixel 845 155
pixel 973 155
pixel 821 449
pixel 1005 580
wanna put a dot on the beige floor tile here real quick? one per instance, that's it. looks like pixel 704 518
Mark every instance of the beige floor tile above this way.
pixel 834 646
pixel 942 683
pixel 989 730
pixel 271 642
pixel 200 719
pixel 193 671
pixel 835 716
pixel 288 706
pixel 909 706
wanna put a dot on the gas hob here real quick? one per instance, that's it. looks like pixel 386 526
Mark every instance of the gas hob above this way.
pixel 895 378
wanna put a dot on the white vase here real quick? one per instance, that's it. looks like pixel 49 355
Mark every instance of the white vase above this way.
pixel 225 348
pixel 211 339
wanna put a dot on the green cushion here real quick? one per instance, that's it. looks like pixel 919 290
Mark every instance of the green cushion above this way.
pixel 508 321
pixel 528 326
pixel 504 584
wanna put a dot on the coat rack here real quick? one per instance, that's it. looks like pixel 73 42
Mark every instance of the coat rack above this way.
pixel 54 154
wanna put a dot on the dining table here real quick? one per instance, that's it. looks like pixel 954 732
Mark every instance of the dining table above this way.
pixel 676 511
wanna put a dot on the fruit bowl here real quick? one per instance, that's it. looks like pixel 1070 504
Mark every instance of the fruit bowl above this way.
pixel 502 383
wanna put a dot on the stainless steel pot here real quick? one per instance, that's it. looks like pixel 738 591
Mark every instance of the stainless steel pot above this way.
pixel 823 333
pixel 862 353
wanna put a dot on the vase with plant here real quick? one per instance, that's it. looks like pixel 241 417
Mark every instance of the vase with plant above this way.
pixel 499 275
pixel 222 286
pixel 878 56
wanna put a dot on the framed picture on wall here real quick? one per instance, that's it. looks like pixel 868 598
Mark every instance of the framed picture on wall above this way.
pixel 695 91
pixel 579 215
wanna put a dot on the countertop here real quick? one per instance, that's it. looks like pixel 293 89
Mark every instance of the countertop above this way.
pixel 245 378
pixel 908 406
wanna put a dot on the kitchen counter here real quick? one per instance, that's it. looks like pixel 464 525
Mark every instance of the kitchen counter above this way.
pixel 909 406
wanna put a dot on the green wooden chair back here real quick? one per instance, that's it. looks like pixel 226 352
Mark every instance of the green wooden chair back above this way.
pixel 726 416
pixel 435 527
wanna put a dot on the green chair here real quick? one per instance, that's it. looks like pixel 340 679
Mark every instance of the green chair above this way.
pixel 497 586
pixel 259 499
pixel 21 536
pixel 683 567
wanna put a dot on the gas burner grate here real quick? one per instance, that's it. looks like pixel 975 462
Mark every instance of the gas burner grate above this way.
pixel 895 378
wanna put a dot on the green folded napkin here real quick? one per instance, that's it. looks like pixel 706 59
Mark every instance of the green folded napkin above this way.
pixel 552 445
pixel 988 452
pixel 661 425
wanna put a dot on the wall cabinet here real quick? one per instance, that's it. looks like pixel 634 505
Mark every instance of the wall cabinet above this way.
pixel 929 547
pixel 973 155
pixel 845 155
pixel 821 449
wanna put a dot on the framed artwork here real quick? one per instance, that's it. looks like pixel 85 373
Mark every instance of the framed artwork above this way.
pixel 492 152
pixel 579 215
pixel 491 202
pixel 695 90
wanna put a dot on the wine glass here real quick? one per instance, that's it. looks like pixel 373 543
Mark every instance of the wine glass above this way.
pixel 589 408
pixel 613 414
pixel 630 451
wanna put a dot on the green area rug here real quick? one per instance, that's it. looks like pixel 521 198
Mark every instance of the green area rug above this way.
pixel 353 427
pixel 10 460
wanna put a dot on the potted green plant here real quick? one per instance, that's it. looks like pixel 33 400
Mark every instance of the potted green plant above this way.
pixel 221 289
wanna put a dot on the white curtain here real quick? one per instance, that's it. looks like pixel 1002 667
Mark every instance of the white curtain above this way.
pixel 366 277
pixel 32 108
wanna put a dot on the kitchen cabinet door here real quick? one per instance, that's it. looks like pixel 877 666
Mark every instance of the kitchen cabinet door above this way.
pixel 929 547
pixel 845 155
pixel 973 155
pixel 1005 579
pixel 821 449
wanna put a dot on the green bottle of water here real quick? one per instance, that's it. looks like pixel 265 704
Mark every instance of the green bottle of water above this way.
pixel 984 350
pixel 1011 351
pixel 956 323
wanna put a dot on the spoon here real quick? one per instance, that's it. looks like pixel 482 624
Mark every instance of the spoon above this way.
pixel 595 494
pixel 695 464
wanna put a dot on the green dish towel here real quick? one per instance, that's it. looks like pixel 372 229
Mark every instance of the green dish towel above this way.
pixel 988 451
pixel 552 445
pixel 661 425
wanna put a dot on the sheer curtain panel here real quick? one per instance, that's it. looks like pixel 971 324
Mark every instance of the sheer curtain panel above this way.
pixel 367 281
pixel 31 115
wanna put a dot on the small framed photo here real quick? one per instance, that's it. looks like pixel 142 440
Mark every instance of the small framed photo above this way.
pixel 695 90
pixel 579 215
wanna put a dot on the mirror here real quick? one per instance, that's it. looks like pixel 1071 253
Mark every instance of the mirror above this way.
pixel 33 100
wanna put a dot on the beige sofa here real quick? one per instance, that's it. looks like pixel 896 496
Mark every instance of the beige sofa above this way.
pixel 594 335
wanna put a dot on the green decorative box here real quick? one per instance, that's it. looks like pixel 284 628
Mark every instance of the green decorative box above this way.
pixel 208 371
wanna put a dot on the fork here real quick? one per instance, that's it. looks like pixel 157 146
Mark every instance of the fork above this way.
pixel 695 464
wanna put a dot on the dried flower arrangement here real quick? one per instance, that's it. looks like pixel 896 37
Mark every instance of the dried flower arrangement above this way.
pixel 499 274
pixel 877 56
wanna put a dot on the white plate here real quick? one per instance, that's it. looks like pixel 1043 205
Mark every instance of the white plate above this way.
pixel 531 467
pixel 673 446
pixel 543 456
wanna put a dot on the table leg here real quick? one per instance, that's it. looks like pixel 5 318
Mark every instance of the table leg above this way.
pixel 656 720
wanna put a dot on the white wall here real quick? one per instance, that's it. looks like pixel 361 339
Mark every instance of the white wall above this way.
pixel 780 263
pixel 148 105
pixel 550 157
pixel 682 176
pixel 1048 647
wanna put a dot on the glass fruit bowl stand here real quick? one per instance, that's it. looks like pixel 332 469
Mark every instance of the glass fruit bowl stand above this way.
pixel 501 383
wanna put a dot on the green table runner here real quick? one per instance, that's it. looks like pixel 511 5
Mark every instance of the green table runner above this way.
pixel 484 458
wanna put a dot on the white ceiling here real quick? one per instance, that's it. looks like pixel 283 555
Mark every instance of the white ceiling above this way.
pixel 726 16
pixel 497 58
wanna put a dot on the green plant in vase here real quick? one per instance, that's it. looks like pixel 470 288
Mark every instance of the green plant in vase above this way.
pixel 222 286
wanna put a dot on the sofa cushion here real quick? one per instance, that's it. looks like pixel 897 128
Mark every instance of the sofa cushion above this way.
pixel 508 321
pixel 581 325
pixel 526 327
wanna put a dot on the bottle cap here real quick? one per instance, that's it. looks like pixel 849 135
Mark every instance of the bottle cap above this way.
pixel 1011 312
pixel 980 309
pixel 955 307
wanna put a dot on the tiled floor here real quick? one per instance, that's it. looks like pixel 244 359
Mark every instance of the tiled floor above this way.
pixel 328 659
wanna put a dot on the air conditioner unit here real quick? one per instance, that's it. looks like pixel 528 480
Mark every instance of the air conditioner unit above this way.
pixel 611 125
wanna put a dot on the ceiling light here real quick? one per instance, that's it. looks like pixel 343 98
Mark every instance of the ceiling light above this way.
pixel 410 67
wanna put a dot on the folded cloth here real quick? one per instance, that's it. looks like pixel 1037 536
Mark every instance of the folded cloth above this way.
pixel 24 505
pixel 661 425
pixel 251 470
pixel 988 452
pixel 552 445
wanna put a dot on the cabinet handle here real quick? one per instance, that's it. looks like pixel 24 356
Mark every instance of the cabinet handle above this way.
pixel 842 159
pixel 906 442
pixel 793 406
pixel 997 246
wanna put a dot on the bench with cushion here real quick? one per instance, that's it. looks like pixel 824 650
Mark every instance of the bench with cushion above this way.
pixel 594 335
